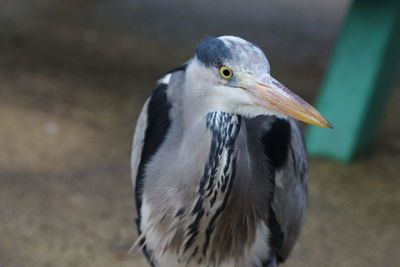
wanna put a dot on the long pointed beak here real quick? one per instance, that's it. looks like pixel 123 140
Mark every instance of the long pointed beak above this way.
pixel 274 96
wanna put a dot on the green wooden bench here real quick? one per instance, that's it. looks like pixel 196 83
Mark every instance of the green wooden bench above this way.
pixel 358 83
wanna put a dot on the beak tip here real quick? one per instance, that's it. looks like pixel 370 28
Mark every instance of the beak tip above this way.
pixel 322 122
pixel 330 125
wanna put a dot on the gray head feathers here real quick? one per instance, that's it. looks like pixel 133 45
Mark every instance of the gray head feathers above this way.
pixel 232 51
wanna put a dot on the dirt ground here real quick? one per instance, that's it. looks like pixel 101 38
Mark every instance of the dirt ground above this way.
pixel 73 77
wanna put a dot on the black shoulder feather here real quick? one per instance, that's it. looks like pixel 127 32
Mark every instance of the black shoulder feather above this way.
pixel 158 123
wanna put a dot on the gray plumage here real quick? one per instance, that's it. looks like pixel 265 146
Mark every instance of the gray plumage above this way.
pixel 219 180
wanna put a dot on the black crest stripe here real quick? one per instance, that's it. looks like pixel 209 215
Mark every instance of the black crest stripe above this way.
pixel 179 68
pixel 212 51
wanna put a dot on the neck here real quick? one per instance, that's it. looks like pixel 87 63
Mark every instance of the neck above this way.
pixel 216 184
pixel 224 128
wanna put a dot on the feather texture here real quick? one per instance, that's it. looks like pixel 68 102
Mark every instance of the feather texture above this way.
pixel 215 188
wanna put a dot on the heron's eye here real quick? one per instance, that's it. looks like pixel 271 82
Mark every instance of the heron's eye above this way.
pixel 225 72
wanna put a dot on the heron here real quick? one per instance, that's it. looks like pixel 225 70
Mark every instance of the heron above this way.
pixel 219 165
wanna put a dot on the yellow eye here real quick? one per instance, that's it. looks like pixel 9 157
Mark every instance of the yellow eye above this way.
pixel 225 72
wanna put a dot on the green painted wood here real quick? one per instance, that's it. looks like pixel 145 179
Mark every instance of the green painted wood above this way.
pixel 357 85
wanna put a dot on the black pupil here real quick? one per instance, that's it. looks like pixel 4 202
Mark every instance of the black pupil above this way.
pixel 226 72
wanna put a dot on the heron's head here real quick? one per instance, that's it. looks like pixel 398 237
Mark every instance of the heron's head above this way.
pixel 233 75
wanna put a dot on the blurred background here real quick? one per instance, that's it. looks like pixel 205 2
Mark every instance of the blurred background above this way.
pixel 73 77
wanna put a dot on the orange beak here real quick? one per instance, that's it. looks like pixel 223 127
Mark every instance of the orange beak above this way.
pixel 276 97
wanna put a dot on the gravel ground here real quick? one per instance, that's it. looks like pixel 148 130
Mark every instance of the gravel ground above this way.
pixel 73 77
